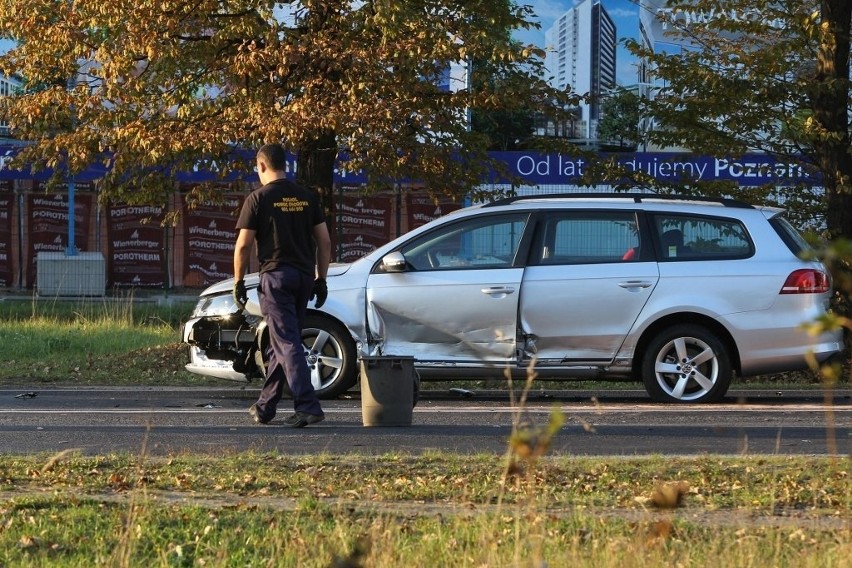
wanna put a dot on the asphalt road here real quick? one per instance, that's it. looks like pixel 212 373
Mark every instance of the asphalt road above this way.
pixel 168 421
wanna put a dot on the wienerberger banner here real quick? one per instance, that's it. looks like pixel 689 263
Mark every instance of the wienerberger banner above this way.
pixel 7 202
pixel 135 249
pixel 209 237
pixel 363 224
pixel 48 225
pixel 421 208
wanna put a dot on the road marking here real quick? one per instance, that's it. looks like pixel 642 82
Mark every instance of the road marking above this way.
pixel 538 408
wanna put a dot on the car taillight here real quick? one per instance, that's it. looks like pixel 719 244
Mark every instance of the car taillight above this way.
pixel 806 281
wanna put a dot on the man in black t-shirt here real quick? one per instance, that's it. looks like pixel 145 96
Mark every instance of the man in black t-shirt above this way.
pixel 294 250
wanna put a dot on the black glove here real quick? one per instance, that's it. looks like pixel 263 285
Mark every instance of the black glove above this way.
pixel 320 292
pixel 240 294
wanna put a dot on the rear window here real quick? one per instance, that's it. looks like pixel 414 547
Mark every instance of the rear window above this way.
pixel 694 237
pixel 790 235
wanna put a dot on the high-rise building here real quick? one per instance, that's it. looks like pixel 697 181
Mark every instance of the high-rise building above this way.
pixel 581 56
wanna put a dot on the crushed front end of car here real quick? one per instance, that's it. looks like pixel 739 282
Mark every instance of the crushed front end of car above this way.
pixel 222 338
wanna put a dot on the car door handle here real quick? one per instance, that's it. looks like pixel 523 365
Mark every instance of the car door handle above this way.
pixel 635 284
pixel 498 291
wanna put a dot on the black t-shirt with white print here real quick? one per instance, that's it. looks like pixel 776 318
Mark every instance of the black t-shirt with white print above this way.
pixel 284 215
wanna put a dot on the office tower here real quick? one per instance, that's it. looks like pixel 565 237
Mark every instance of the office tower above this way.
pixel 581 56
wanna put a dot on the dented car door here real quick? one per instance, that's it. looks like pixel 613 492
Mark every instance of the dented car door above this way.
pixel 454 297
pixel 589 276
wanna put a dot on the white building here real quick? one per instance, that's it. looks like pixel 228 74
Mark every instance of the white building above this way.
pixel 581 56
pixel 658 27
pixel 8 85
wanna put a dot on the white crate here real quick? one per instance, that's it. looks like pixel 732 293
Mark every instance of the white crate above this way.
pixel 58 274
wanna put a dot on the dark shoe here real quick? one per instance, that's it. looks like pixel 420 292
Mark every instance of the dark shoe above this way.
pixel 302 419
pixel 258 419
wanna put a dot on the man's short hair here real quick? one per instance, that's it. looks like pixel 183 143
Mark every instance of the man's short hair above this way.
pixel 274 156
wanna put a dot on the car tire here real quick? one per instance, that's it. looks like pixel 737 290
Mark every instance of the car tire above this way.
pixel 330 351
pixel 687 364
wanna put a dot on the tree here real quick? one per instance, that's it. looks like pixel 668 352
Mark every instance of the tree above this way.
pixel 619 121
pixel 159 85
pixel 761 75
pixel 505 128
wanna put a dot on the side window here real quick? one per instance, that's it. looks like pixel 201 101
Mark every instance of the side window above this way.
pixel 490 242
pixel 694 238
pixel 584 237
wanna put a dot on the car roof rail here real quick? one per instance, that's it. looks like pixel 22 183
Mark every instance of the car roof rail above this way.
pixel 636 197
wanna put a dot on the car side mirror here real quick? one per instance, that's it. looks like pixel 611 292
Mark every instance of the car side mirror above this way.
pixel 394 262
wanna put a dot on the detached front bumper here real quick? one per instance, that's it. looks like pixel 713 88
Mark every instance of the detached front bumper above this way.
pixel 200 364
pixel 215 344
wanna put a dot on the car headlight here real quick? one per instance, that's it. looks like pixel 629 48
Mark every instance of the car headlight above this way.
pixel 215 306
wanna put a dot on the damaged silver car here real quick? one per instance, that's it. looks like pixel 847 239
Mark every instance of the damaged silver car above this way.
pixel 682 294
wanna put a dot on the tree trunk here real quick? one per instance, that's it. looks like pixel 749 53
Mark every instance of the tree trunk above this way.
pixel 830 101
pixel 315 167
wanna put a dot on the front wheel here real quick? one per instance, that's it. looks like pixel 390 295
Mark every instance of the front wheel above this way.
pixel 687 363
pixel 330 352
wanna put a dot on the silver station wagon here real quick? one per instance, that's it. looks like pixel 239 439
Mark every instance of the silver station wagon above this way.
pixel 680 293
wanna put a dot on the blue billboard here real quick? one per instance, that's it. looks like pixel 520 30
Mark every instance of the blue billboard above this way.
pixel 748 170
pixel 533 168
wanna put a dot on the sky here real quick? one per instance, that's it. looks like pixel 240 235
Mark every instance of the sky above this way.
pixel 624 13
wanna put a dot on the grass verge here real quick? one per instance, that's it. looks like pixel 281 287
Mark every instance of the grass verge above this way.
pixel 430 510
pixel 113 341
pixel 116 341
pixel 524 509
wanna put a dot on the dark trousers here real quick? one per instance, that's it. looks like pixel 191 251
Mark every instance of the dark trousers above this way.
pixel 284 294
